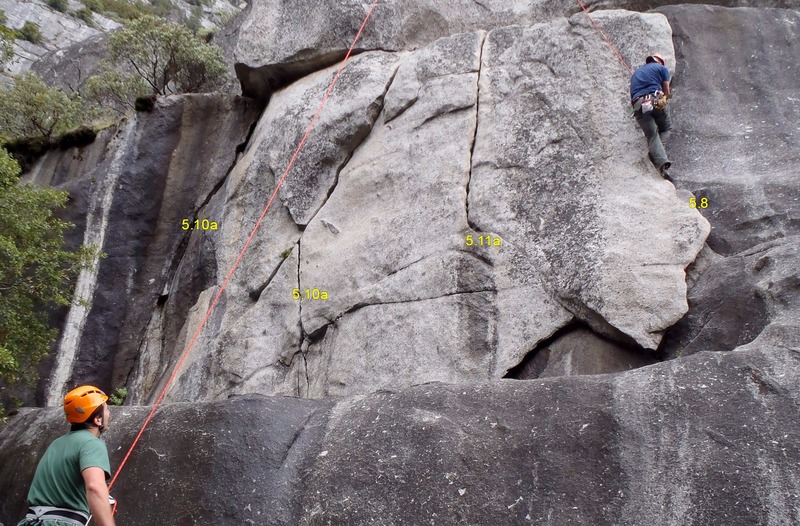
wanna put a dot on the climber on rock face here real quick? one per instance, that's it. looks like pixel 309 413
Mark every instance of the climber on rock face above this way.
pixel 650 92
pixel 70 479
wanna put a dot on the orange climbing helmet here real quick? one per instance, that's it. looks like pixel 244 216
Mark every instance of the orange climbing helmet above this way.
pixel 656 57
pixel 81 402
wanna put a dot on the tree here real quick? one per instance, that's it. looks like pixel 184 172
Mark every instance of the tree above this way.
pixel 36 273
pixel 31 108
pixel 167 57
pixel 114 91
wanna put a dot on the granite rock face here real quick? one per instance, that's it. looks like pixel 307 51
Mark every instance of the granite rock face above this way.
pixel 59 30
pixel 469 135
pixel 744 162
pixel 72 50
pixel 277 41
pixel 475 203
pixel 416 152
pixel 136 185
pixel 709 439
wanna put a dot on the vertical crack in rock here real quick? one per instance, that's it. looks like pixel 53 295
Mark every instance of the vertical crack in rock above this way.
pixel 475 133
pixel 157 316
pixel 305 370
pixel 300 301
pixel 180 251
pixel 296 436
pixel 240 148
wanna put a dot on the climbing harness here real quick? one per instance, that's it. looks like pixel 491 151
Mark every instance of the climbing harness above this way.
pixel 647 103
pixel 224 285
pixel 50 513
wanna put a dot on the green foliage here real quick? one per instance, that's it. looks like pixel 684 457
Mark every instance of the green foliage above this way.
pixel 31 32
pixel 130 10
pixel 161 8
pixel 118 396
pixel 167 57
pixel 77 138
pixel 223 17
pixel 36 273
pixel 26 150
pixel 93 5
pixel 193 24
pixel 205 34
pixel 85 14
pixel 32 108
pixel 114 91
pixel 58 5
pixel 119 9
pixel 7 37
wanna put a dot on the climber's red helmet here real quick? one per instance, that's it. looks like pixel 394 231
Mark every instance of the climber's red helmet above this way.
pixel 656 57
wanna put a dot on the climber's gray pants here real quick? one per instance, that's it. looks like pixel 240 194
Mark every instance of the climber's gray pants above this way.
pixel 656 126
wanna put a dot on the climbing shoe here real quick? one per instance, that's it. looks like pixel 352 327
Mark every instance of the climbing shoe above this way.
pixel 664 172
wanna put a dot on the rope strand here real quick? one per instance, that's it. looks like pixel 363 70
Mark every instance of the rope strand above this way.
pixel 619 56
pixel 244 248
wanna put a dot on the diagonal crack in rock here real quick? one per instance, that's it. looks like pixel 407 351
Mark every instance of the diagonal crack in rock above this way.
pixel 378 103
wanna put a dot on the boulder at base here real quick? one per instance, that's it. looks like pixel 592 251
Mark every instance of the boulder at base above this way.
pixel 710 439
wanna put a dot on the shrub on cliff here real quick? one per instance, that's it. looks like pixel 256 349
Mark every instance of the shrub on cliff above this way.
pixel 85 14
pixel 121 10
pixel 115 91
pixel 58 5
pixel 31 32
pixel 31 108
pixel 7 37
pixel 168 58
pixel 36 273
pixel 6 46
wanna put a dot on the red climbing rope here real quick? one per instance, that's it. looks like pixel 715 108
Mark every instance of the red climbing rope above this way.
pixel 244 248
pixel 630 71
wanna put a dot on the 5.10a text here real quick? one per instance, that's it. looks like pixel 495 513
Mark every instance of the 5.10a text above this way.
pixel 309 294
pixel 198 224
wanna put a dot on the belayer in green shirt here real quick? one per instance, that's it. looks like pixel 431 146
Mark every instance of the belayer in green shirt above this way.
pixel 69 485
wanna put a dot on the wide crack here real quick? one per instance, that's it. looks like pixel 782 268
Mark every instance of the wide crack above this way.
pixel 180 251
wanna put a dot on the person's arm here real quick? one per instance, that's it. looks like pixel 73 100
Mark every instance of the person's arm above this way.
pixel 665 89
pixel 97 495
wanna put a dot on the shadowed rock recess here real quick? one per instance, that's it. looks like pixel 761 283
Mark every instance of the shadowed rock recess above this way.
pixel 523 324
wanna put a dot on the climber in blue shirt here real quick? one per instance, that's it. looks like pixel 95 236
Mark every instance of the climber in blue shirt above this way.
pixel 650 92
